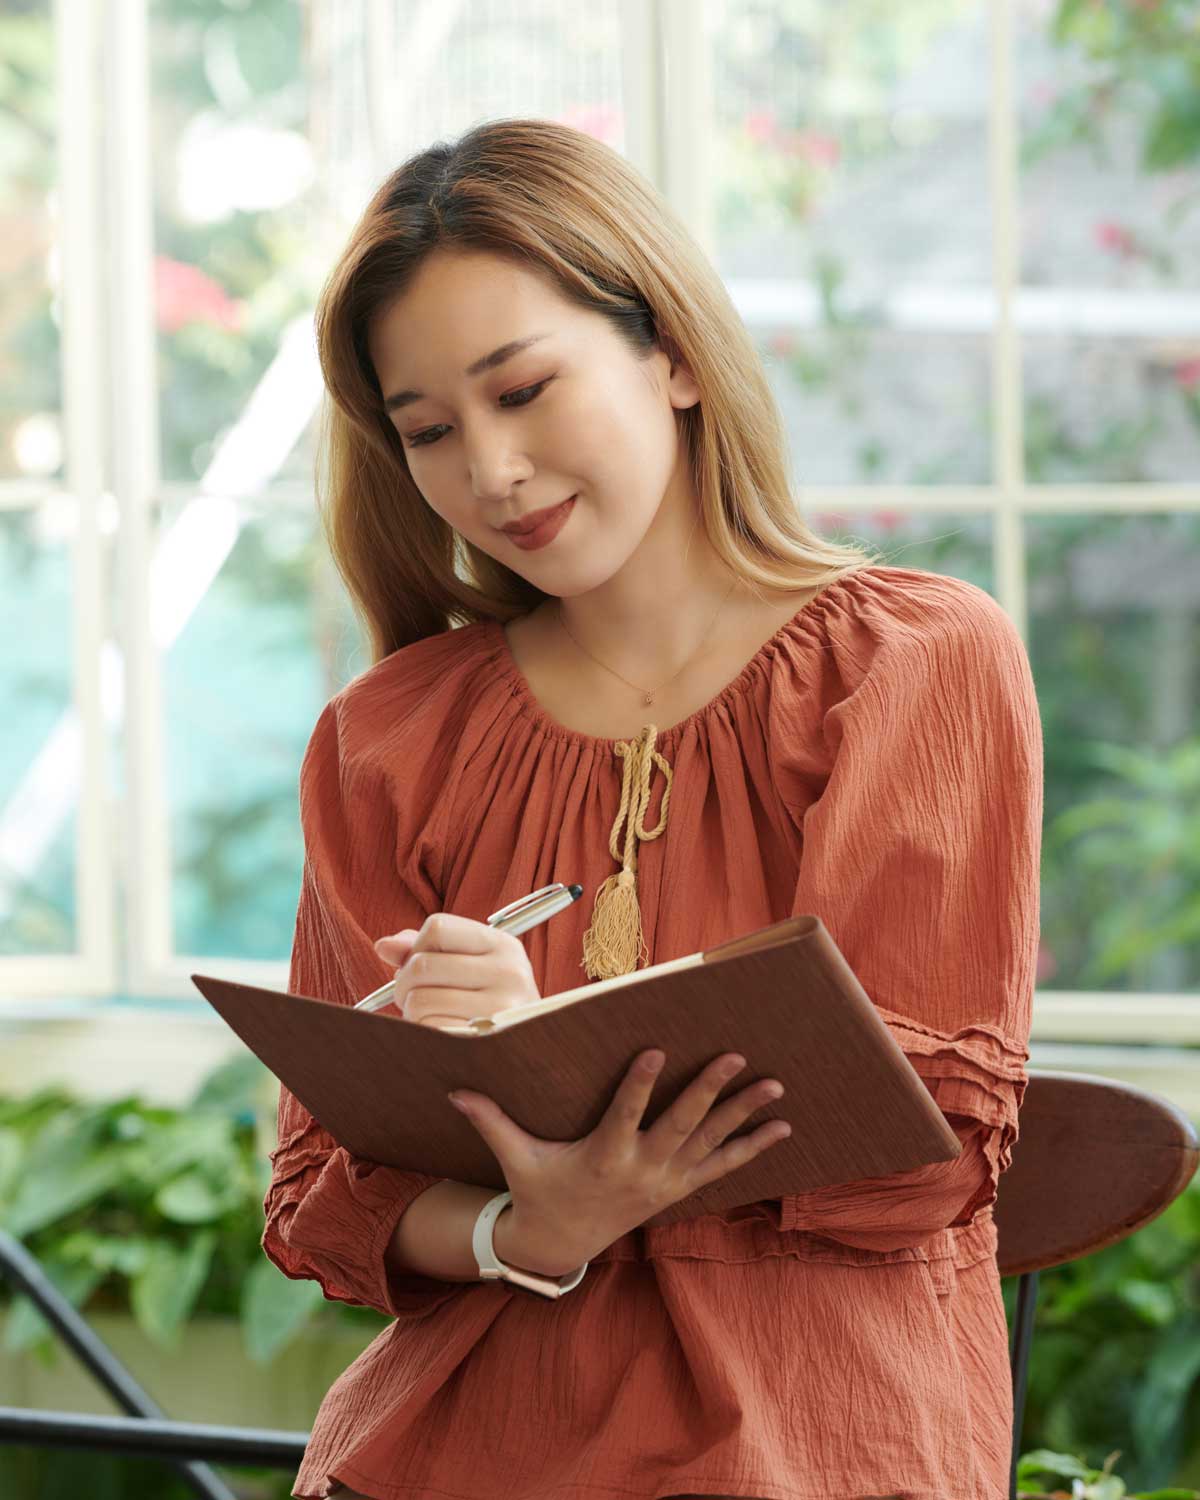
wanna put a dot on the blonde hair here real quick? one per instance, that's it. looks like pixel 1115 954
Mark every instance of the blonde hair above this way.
pixel 559 202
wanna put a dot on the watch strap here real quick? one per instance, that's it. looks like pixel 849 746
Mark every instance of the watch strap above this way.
pixel 493 1269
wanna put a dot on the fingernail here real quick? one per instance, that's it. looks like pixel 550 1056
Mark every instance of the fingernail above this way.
pixel 458 1103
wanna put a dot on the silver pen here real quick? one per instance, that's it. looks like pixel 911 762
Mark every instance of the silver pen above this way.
pixel 517 917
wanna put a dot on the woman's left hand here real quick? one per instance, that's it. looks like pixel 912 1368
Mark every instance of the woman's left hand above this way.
pixel 455 968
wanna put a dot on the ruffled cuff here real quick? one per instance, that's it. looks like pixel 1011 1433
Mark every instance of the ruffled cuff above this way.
pixel 977 1078
pixel 330 1217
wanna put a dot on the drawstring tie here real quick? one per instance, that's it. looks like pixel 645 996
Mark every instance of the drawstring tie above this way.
pixel 614 944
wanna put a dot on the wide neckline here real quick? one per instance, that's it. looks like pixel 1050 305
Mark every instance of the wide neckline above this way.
pixel 511 674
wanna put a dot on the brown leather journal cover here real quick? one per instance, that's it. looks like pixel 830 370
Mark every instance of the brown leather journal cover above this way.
pixel 784 997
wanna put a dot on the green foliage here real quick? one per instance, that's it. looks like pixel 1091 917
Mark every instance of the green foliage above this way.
pixel 1150 822
pixel 1087 1483
pixel 1116 1351
pixel 156 1210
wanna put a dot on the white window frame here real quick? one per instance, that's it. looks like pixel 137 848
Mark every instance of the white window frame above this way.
pixel 108 345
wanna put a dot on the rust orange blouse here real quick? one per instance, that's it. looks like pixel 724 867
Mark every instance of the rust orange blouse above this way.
pixel 878 761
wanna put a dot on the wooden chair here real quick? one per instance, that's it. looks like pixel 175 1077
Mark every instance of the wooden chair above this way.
pixel 1095 1160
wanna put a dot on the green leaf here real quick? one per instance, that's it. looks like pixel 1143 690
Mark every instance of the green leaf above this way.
pixel 187 1141
pixel 193 1199
pixel 1041 1461
pixel 1169 1377
pixel 67 1166
pixel 1153 1303
pixel 165 1291
pixel 124 1254
pixel 11 1151
pixel 274 1309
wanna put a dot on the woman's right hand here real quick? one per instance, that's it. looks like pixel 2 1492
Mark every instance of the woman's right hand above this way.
pixel 571 1199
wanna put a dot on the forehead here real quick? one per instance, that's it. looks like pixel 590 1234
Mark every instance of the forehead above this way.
pixel 457 308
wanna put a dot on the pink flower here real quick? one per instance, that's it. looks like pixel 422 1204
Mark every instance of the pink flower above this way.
pixel 888 520
pixel 1188 374
pixel 1114 236
pixel 761 125
pixel 184 294
pixel 602 121
pixel 819 149
pixel 1047 964
pixel 781 343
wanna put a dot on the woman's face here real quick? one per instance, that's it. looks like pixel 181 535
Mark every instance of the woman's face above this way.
pixel 572 414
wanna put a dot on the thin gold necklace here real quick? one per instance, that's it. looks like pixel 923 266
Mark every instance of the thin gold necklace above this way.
pixel 647 693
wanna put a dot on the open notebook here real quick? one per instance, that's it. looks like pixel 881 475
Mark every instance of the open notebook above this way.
pixel 783 996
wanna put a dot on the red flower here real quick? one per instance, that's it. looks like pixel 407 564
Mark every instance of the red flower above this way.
pixel 1113 236
pixel 1188 374
pixel 184 294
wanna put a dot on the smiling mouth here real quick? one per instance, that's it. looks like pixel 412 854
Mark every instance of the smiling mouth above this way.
pixel 535 519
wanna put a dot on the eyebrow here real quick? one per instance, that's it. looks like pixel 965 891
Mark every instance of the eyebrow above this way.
pixel 488 362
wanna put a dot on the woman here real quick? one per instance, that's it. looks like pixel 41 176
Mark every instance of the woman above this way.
pixel 520 324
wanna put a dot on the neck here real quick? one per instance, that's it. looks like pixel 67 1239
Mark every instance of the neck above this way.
pixel 658 611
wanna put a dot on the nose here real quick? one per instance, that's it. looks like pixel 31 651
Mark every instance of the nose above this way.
pixel 495 461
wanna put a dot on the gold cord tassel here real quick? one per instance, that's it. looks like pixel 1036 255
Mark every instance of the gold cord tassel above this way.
pixel 614 943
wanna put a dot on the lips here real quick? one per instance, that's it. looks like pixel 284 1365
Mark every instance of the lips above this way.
pixel 534 519
pixel 545 532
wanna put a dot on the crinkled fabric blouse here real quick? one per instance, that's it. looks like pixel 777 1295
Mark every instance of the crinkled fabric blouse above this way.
pixel 878 762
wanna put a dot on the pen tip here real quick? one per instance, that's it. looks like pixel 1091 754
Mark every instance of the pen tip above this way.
pixel 576 891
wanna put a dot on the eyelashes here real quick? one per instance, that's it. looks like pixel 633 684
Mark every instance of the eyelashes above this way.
pixel 422 439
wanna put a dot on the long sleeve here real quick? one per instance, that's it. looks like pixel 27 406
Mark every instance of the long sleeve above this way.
pixel 329 1214
pixel 922 856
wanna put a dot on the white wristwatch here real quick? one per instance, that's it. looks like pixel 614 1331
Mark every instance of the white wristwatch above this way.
pixel 491 1269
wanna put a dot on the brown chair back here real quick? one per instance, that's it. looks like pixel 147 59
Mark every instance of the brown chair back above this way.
pixel 1095 1160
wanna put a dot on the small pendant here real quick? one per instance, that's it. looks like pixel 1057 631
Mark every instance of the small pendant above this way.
pixel 649 698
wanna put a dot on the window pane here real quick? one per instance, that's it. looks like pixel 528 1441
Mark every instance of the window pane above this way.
pixel 959 546
pixel 260 637
pixel 848 163
pixel 1110 240
pixel 1115 628
pixel 39 749
pixel 881 406
pixel 31 443
pixel 273 124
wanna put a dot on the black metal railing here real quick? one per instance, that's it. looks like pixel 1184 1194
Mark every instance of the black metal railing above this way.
pixel 146 1431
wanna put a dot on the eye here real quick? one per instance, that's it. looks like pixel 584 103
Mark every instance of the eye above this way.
pixel 522 397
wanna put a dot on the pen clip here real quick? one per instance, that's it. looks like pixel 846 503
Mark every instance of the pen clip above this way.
pixel 523 901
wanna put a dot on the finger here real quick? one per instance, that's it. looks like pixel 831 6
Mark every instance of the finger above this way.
pixel 449 1005
pixel 737 1153
pixel 623 1117
pixel 458 971
pixel 443 931
pixel 677 1122
pixel 727 1117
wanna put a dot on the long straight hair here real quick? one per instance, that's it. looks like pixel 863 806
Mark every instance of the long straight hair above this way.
pixel 558 202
